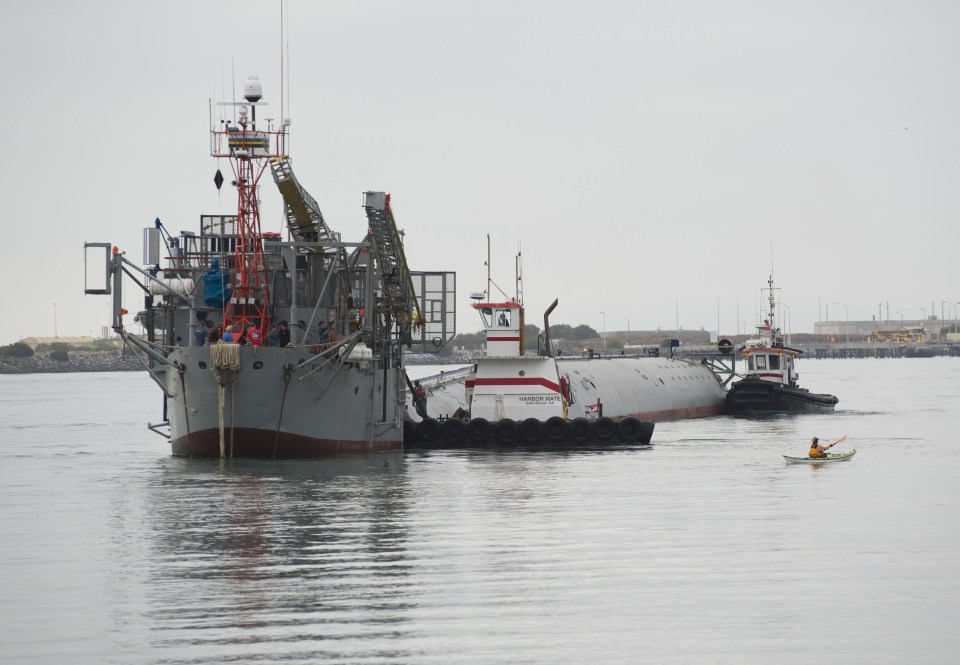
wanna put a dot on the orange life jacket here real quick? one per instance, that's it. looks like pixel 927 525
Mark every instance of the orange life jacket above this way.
pixel 816 452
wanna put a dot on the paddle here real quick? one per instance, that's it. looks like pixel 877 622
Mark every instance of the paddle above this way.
pixel 840 440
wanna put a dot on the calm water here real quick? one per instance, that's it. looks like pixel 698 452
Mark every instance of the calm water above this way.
pixel 703 548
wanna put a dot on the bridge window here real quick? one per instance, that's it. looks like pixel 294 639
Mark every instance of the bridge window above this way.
pixel 774 362
pixel 761 362
pixel 503 317
pixel 487 315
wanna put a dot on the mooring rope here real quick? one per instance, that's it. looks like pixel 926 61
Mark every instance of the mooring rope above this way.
pixel 225 363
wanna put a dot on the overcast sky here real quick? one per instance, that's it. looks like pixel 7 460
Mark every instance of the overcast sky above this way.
pixel 653 159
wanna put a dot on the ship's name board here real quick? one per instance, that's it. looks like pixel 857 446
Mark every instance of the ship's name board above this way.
pixel 539 399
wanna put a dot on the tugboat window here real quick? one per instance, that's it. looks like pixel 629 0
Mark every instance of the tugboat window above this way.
pixel 774 362
pixel 761 362
pixel 750 363
pixel 487 315
pixel 503 318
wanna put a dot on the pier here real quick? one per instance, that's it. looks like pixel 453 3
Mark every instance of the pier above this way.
pixel 879 350
pixel 840 350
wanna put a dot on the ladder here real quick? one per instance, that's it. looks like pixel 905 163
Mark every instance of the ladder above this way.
pixel 304 218
pixel 398 291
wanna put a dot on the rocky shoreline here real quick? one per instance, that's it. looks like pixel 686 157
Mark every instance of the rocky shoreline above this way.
pixel 77 361
pixel 112 361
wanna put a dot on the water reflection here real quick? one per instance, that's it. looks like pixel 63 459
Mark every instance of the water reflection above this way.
pixel 293 556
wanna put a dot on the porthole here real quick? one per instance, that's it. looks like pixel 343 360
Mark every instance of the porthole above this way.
pixel 202 364
pixel 258 364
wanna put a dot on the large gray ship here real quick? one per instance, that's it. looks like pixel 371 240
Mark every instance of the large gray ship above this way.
pixel 271 346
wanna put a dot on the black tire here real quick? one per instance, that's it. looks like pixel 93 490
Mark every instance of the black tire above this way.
pixel 531 430
pixel 648 426
pixel 409 434
pixel 454 431
pixel 555 429
pixel 604 429
pixel 505 431
pixel 579 430
pixel 428 430
pixel 479 430
pixel 630 429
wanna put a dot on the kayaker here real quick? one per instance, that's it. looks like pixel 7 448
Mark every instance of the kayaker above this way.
pixel 817 449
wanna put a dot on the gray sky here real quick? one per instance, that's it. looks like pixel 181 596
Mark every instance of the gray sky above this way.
pixel 652 158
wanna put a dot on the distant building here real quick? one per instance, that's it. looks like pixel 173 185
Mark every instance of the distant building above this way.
pixel 74 342
pixel 859 330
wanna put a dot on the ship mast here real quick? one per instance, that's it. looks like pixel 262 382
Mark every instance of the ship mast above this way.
pixel 249 150
pixel 772 301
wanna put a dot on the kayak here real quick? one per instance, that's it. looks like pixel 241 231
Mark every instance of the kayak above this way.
pixel 831 457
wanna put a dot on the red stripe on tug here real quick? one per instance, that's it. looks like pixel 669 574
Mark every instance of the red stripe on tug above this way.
pixel 511 381
pixel 492 338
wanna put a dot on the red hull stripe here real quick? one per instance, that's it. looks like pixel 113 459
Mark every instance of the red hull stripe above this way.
pixel 502 339
pixel 532 381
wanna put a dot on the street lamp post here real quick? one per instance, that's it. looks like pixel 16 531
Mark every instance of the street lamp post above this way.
pixel 787 308
pixel 846 327
pixel 603 337
pixel 628 323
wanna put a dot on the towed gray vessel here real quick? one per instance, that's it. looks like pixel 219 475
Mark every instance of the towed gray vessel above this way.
pixel 271 347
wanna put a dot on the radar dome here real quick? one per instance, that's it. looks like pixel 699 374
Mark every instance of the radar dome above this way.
pixel 252 90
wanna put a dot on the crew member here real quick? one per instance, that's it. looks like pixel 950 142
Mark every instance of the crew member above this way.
pixel 420 399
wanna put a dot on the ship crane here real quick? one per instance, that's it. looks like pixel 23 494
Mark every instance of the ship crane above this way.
pixel 397 282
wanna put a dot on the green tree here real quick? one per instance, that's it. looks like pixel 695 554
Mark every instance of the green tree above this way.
pixel 582 332
pixel 60 355
pixel 561 331
pixel 531 336
pixel 16 350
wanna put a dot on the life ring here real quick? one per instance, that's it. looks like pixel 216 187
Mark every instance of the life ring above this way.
pixel 479 430
pixel 505 431
pixel 428 430
pixel 630 429
pixel 454 430
pixel 579 430
pixel 604 429
pixel 555 429
pixel 531 430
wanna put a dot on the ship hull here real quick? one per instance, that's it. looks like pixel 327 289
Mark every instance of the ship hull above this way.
pixel 277 402
pixel 656 389
pixel 758 396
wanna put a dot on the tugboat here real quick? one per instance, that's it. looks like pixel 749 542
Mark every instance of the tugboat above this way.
pixel 553 398
pixel 769 384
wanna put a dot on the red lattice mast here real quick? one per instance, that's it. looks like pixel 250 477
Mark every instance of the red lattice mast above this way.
pixel 248 150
